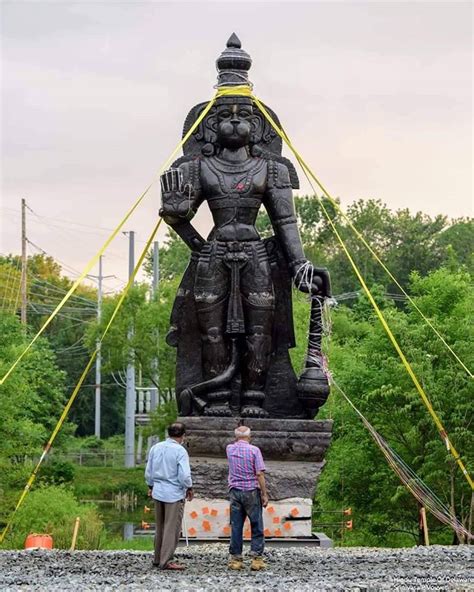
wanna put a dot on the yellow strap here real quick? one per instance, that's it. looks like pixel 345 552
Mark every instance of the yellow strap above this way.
pixel 379 313
pixel 238 91
pixel 83 376
pixel 95 258
pixel 245 90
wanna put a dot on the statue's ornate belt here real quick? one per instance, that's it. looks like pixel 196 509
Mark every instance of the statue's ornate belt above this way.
pixel 234 202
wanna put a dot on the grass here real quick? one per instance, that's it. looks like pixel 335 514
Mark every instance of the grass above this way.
pixel 142 543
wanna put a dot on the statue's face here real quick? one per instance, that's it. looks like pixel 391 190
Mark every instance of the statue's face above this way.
pixel 234 125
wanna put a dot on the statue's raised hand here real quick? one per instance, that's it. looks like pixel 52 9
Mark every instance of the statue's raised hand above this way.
pixel 310 279
pixel 176 195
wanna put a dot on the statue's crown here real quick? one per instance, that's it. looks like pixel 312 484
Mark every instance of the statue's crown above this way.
pixel 233 64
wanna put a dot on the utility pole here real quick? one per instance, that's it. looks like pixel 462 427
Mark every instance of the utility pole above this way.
pixel 23 262
pixel 156 280
pixel 98 359
pixel 156 268
pixel 130 391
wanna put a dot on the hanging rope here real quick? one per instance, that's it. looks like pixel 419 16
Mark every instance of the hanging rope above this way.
pixel 408 477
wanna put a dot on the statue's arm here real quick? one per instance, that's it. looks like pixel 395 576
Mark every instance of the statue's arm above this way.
pixel 181 197
pixel 278 201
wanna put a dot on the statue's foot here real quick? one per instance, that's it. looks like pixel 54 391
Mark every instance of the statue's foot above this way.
pixel 253 411
pixel 218 411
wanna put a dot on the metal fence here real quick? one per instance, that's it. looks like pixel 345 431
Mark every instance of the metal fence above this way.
pixel 93 458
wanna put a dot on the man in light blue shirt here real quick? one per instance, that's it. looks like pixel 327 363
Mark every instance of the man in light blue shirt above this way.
pixel 168 476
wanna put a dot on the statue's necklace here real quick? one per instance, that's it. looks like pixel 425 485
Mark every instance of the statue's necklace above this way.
pixel 240 178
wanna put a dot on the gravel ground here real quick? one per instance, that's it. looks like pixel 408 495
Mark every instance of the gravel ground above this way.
pixel 295 569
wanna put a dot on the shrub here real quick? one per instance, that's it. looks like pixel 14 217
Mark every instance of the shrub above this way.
pixel 57 472
pixel 85 443
pixel 53 509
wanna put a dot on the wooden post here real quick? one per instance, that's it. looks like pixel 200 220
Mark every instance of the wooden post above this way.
pixel 425 526
pixel 74 534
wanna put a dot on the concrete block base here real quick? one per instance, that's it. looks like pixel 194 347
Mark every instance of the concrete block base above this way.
pixel 210 518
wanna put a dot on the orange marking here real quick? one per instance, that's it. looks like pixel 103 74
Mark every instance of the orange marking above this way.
pixel 276 520
pixel 287 526
pixel 226 530
pixel 205 510
pixel 267 532
pixel 206 525
pixel 277 532
pixel 227 511
pixel 193 514
pixel 294 512
pixel 247 534
pixel 214 512
pixel 192 531
pixel 270 509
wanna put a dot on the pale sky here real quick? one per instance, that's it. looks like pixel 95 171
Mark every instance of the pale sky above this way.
pixel 377 97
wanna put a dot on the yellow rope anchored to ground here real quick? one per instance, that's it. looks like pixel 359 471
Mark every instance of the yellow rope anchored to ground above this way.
pixel 79 384
pixel 310 175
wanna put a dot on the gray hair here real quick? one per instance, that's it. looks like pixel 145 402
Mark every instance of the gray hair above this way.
pixel 242 432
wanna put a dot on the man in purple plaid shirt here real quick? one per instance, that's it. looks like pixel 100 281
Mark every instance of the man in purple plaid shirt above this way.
pixel 248 494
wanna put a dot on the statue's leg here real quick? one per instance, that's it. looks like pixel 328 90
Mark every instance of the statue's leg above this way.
pixel 211 295
pixel 259 304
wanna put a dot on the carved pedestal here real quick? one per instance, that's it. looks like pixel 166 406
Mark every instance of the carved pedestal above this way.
pixel 293 450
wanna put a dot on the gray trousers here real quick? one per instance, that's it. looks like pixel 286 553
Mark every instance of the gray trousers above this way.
pixel 168 517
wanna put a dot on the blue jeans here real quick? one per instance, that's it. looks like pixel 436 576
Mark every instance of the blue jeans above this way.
pixel 243 504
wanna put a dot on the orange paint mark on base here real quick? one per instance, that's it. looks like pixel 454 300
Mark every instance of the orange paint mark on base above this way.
pixel 214 512
pixel 206 525
pixel 192 531
pixel 287 526
pixel 193 514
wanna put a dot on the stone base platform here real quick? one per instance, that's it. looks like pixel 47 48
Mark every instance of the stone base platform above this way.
pixel 278 439
pixel 293 451
pixel 284 479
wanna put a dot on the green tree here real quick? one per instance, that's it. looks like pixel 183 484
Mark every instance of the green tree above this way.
pixel 368 369
pixel 173 257
pixel 150 321
pixel 31 402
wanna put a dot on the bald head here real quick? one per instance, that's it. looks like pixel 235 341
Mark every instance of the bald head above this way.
pixel 242 433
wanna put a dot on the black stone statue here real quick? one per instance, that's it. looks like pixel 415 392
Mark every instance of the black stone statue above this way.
pixel 232 317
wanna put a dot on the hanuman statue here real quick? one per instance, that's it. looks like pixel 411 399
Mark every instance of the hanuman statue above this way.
pixel 232 317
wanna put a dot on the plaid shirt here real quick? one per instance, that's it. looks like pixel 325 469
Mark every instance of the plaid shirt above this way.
pixel 245 461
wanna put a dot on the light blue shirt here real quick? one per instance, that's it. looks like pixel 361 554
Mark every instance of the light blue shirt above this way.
pixel 168 471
